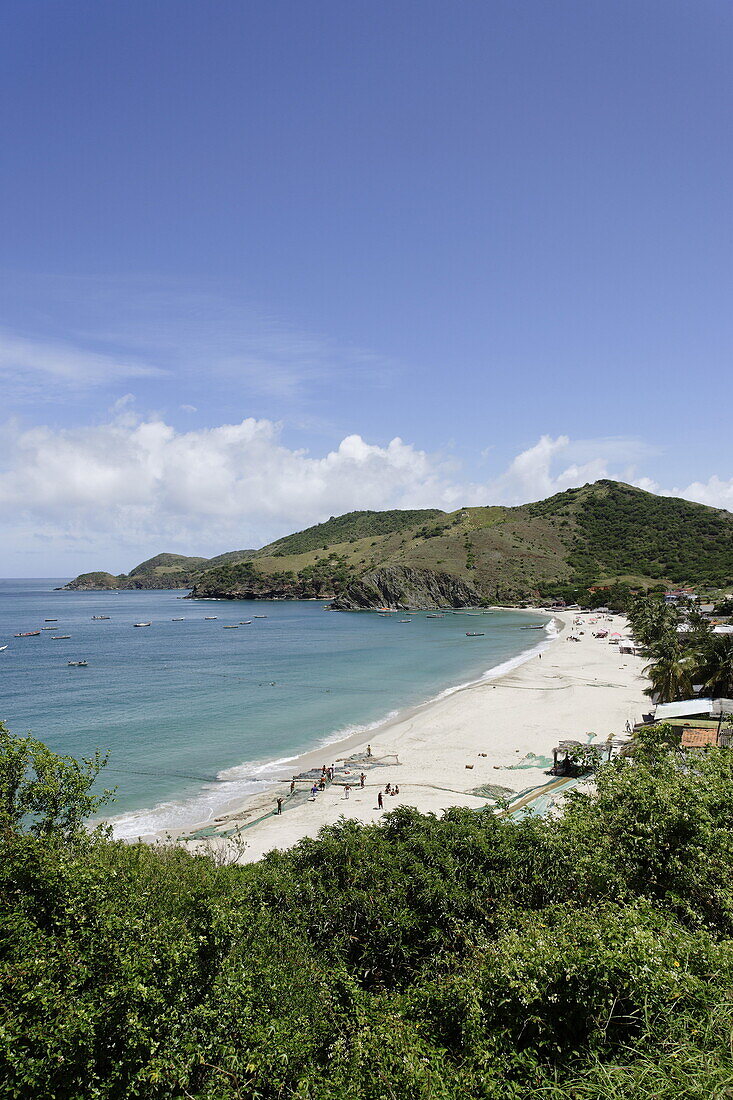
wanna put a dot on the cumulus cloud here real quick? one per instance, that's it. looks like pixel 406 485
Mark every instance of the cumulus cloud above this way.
pixel 135 484
pixel 136 479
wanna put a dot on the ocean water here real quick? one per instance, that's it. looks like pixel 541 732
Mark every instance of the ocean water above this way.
pixel 195 717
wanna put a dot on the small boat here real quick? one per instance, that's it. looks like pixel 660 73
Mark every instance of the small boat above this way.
pixel 246 622
pixel 27 634
pixel 231 627
pixel 142 624
pixel 211 616
pixel 2 647
pixel 59 637
pixel 50 620
pixel 259 616
pixel 100 616
pixel 433 616
pixel 77 664
pixel 474 634
pixel 404 620
pixel 178 620
pixel 49 628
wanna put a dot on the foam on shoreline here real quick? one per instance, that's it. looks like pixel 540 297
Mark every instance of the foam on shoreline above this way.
pixel 453 751
pixel 243 782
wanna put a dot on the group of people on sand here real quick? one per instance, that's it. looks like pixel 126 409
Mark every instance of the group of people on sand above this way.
pixel 389 789
pixel 327 775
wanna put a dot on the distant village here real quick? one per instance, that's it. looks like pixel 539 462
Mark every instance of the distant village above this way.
pixel 700 721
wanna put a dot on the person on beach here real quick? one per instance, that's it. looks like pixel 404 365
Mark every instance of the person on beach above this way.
pixel 388 789
pixel 347 791
pixel 292 785
pixel 362 777
pixel 322 783
pixel 380 801
pixel 369 750
pixel 279 805
pixel 395 790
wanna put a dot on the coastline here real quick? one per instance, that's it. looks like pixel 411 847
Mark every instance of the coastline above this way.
pixel 494 734
pixel 264 776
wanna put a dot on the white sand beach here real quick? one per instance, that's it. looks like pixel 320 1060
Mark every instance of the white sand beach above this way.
pixel 479 735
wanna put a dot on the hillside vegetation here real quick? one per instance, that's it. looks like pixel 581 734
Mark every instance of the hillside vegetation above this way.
pixel 596 534
pixel 582 957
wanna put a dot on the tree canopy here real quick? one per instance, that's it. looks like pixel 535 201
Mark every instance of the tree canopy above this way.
pixel 579 957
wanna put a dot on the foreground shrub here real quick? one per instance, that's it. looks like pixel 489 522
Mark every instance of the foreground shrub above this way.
pixel 582 957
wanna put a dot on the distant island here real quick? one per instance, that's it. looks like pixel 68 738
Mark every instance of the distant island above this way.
pixel 597 536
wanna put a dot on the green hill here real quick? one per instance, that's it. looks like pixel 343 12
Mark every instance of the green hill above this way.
pixel 167 563
pixel 595 534
pixel 350 527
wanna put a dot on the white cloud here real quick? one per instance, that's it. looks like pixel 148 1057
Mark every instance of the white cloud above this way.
pixel 120 489
pixel 137 480
pixel 716 491
pixel 65 365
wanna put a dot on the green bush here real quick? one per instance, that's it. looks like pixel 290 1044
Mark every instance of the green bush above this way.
pixel 466 955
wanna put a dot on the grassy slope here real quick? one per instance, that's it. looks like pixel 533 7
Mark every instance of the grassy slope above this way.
pixel 599 532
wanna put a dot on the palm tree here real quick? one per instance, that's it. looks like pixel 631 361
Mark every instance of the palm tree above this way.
pixel 652 620
pixel 714 665
pixel 669 671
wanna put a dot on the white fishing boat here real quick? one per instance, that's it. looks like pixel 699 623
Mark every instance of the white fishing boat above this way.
pixel 259 616
pixel 77 664
pixel 474 634
pixel 2 647
pixel 59 637
pixel 404 620
pixel 211 616
pixel 246 622
pixel 100 616
pixel 142 624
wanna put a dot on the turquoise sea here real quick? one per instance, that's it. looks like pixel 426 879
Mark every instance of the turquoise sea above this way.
pixel 195 716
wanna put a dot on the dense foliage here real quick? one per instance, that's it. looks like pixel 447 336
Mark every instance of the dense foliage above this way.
pixel 588 956
pixel 247 580
pixel 685 655
pixel 626 531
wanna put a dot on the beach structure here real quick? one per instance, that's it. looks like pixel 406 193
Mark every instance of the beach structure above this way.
pixel 706 738
pixel 693 708
pixel 573 758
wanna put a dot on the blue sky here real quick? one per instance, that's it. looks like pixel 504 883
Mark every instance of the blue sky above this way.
pixel 266 262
